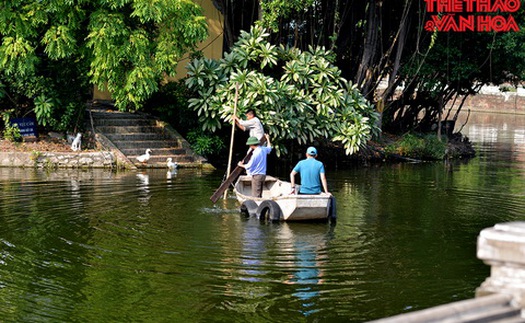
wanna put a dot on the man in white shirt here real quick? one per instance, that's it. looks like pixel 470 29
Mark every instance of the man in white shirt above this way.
pixel 251 124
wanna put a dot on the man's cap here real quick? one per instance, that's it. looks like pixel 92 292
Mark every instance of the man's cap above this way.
pixel 311 151
pixel 252 141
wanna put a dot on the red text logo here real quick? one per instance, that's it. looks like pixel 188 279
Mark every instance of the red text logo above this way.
pixel 472 15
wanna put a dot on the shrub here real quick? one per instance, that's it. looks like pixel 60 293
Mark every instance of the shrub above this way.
pixel 12 133
pixel 299 95
pixel 418 146
pixel 205 144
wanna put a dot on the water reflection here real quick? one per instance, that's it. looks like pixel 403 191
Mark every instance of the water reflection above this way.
pixel 170 174
pixel 254 241
pixel 519 137
pixel 75 189
pixel 496 134
pixel 481 133
pixel 143 188
pixel 307 246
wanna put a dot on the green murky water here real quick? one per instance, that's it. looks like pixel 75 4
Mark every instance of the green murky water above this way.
pixel 96 246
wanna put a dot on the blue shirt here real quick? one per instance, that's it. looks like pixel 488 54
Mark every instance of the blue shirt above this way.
pixel 310 170
pixel 257 164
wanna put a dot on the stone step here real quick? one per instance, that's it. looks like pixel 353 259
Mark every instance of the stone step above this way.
pixel 145 144
pixel 116 114
pixel 132 134
pixel 514 319
pixel 490 308
pixel 140 136
pixel 127 129
pixel 124 122
pixel 492 315
pixel 167 152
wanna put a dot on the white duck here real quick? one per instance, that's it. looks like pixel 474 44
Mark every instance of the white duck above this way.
pixel 171 165
pixel 144 158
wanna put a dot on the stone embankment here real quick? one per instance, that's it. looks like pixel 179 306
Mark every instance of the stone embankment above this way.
pixel 99 159
pixel 491 99
pixel 112 140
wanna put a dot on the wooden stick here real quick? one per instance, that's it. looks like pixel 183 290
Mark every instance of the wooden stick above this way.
pixel 232 135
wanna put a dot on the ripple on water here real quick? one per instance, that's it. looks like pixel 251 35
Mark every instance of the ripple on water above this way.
pixel 142 247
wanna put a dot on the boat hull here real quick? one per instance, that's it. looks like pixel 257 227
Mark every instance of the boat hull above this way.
pixel 294 207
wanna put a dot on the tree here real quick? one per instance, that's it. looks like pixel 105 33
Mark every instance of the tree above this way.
pixel 457 66
pixel 51 51
pixel 371 39
pixel 299 95
pixel 378 40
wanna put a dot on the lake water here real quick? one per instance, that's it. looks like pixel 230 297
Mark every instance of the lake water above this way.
pixel 98 246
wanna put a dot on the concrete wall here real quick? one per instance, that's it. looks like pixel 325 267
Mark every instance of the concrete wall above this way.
pixel 503 102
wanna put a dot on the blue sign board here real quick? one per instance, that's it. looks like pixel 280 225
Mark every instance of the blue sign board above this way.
pixel 27 126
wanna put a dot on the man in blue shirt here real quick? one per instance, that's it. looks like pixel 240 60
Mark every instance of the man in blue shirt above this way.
pixel 256 166
pixel 312 174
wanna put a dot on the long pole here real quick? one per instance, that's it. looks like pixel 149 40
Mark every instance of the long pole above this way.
pixel 232 135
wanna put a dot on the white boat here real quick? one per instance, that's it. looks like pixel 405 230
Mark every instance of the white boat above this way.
pixel 278 204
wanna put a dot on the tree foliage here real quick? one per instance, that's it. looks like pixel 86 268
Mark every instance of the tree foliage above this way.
pixel 385 42
pixel 298 95
pixel 52 51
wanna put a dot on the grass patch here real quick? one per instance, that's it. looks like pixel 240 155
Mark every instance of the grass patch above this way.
pixel 426 147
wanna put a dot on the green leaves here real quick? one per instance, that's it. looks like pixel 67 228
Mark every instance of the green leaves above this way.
pixel 51 48
pixel 150 11
pixel 59 42
pixel 43 109
pixel 132 56
pixel 297 95
pixel 427 147
pixel 273 10
pixel 17 56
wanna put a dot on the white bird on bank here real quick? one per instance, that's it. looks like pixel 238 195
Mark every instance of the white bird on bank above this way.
pixel 171 165
pixel 144 158
pixel 76 144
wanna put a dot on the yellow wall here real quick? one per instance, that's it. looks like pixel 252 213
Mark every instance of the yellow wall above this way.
pixel 211 47
pixel 101 95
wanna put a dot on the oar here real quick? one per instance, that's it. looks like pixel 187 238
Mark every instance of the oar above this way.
pixel 232 135
pixel 237 171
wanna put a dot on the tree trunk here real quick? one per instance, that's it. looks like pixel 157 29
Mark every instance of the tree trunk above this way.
pixel 370 47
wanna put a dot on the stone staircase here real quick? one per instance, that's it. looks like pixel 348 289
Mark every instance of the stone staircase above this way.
pixel 132 133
